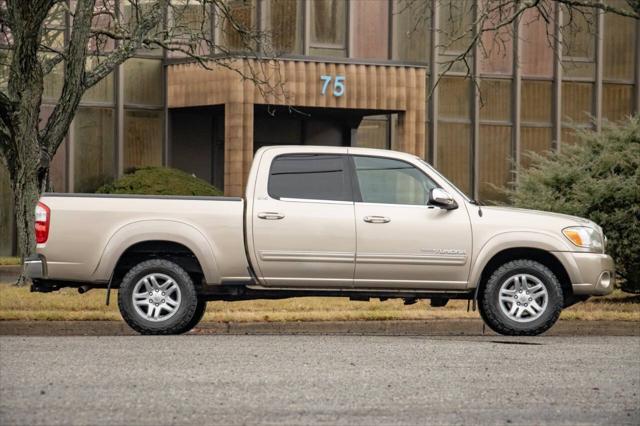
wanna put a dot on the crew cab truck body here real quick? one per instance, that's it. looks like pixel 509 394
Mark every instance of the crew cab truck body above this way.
pixel 320 221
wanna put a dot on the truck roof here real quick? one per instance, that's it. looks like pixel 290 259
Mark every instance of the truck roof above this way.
pixel 338 150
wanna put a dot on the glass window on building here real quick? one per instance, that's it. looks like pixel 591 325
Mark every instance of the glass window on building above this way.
pixel 143 83
pixel 537 104
pixel 102 18
pixel 617 101
pixel 54 26
pixel 186 18
pixel 373 132
pixel 370 29
pixel 577 103
pixel 619 44
pixel 53 83
pixel 495 161
pixel 536 57
pixel 143 141
pixel 328 22
pixel 577 109
pixel 496 49
pixel 536 115
pixel 455 30
pixel 284 21
pixel 412 31
pixel 578 42
pixel 133 9
pixel 495 100
pixel 58 167
pixel 495 158
pixel 244 14
pixel 102 91
pixel 454 131
pixel 533 139
pixel 454 153
pixel 93 148
pixel 620 52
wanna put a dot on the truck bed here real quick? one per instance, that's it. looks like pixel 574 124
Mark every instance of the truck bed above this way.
pixel 89 232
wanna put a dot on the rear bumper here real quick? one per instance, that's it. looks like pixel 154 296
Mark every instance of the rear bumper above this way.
pixel 35 267
pixel 595 273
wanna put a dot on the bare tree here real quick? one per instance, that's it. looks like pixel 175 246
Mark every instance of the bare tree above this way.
pixel 101 34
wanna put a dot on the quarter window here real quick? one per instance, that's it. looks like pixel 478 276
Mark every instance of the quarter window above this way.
pixel 310 176
pixel 388 181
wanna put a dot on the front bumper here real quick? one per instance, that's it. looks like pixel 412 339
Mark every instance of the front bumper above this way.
pixel 595 273
pixel 35 267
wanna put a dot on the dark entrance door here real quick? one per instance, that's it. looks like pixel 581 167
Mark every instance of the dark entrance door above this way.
pixel 303 126
pixel 197 142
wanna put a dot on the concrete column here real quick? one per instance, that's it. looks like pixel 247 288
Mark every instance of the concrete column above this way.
pixel 238 146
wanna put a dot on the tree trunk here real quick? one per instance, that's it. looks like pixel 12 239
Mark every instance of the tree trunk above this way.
pixel 26 190
pixel 27 184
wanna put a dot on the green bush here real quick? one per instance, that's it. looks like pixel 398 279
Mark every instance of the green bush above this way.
pixel 159 181
pixel 597 178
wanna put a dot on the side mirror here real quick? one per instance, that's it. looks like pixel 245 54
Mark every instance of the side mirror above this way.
pixel 441 198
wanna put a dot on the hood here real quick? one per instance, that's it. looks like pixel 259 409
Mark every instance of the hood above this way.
pixel 537 217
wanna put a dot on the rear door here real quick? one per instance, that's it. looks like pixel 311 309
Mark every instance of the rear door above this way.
pixel 303 221
pixel 402 241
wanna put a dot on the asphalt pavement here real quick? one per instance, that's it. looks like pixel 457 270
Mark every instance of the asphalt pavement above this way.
pixel 344 380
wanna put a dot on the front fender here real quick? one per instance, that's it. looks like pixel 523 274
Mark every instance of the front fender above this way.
pixel 512 240
pixel 157 230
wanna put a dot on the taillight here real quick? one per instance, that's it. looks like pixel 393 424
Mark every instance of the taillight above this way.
pixel 43 216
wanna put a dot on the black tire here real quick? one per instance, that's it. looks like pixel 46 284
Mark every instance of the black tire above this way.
pixel 182 321
pixel 500 322
pixel 201 308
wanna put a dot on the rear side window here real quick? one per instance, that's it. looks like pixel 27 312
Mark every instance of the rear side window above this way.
pixel 310 176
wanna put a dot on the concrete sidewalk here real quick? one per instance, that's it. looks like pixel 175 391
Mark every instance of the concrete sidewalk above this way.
pixel 461 327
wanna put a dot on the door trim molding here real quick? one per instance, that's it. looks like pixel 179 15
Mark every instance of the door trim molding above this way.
pixel 306 256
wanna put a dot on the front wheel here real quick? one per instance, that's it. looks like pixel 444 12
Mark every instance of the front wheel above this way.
pixel 158 297
pixel 521 298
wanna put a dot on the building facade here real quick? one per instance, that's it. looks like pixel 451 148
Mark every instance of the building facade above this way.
pixel 354 73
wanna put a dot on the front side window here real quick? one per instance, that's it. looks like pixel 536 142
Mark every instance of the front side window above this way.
pixel 388 181
pixel 310 176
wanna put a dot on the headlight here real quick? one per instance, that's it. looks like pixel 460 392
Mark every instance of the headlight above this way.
pixel 584 237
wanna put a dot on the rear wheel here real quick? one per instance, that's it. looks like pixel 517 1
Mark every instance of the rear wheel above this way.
pixel 201 308
pixel 521 298
pixel 158 297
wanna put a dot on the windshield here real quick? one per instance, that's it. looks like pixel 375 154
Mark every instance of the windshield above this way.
pixel 440 175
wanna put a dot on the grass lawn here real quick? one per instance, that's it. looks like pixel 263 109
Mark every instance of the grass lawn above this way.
pixel 17 303
pixel 9 261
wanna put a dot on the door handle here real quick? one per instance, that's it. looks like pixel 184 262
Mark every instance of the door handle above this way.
pixel 377 219
pixel 270 215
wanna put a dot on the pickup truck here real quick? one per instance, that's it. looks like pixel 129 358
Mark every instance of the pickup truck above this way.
pixel 320 221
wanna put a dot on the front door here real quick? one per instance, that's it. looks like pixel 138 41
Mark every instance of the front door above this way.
pixel 303 230
pixel 403 242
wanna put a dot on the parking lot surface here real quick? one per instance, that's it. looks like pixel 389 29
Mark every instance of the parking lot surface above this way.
pixel 284 379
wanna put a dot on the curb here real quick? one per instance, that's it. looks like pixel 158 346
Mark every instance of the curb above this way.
pixel 10 273
pixel 462 327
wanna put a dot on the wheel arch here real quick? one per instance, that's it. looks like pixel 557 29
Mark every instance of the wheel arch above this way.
pixel 542 256
pixel 175 252
pixel 158 239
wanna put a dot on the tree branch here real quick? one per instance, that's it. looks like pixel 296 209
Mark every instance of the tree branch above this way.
pixel 132 42
pixel 634 12
pixel 62 115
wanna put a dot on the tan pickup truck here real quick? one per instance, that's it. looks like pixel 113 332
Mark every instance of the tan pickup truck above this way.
pixel 320 221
